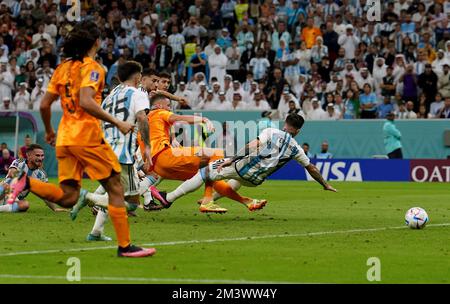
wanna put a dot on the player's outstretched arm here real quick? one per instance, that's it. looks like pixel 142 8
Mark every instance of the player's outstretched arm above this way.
pixel 315 173
pixel 88 103
pixel 192 119
pixel 178 99
pixel 46 115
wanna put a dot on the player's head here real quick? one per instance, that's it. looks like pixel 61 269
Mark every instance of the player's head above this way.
pixel 293 124
pixel 150 80
pixel 130 72
pixel 159 101
pixel 84 37
pixel 164 81
pixel 35 156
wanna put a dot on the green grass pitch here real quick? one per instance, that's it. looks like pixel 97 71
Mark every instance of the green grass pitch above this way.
pixel 304 235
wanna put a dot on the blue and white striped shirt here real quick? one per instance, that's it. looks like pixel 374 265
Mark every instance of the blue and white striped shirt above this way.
pixel 124 102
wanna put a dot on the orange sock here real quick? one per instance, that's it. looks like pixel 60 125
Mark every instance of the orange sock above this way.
pixel 225 190
pixel 46 191
pixel 208 190
pixel 119 218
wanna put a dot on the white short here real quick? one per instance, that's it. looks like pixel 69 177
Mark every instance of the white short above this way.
pixel 226 173
pixel 129 180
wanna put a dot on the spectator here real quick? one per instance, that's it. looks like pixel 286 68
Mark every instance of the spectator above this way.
pixel 368 102
pixel 259 65
pixel 164 55
pixel 224 40
pixel 6 82
pixel 317 113
pixel 22 98
pixel 349 42
pixel 428 81
pixel 4 146
pixel 237 103
pixel 277 83
pixel 324 154
pixel 385 108
pixel 198 64
pixel 281 34
pixel 143 57
pixel 445 111
pixel 209 49
pixel 5 161
pixel 245 38
pixel 388 83
pixel 310 33
pixel 208 103
pixel 444 80
pixel 258 102
pixel 319 50
pixel 410 82
pixel 217 65
pixel 7 106
pixel 406 111
pixel 305 148
pixel 283 106
pixel 436 106
pixel 331 113
pixel 194 29
pixel 182 91
pixel 392 137
pixel 223 104
pixel 234 58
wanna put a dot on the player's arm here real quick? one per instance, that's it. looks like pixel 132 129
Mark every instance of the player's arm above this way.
pixel 46 114
pixel 191 119
pixel 246 150
pixel 90 105
pixel 178 99
pixel 54 207
pixel 315 173
pixel 144 129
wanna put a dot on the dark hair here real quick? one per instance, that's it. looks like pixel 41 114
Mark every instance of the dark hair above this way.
pixel 306 144
pixel 80 40
pixel 164 75
pixel 33 147
pixel 126 70
pixel 296 121
pixel 148 72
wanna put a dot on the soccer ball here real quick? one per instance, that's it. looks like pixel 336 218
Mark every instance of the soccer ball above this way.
pixel 416 218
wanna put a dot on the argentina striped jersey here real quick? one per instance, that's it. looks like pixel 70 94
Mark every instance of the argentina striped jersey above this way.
pixel 276 148
pixel 124 102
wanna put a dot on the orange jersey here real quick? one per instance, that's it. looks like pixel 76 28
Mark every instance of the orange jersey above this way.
pixel 159 130
pixel 77 127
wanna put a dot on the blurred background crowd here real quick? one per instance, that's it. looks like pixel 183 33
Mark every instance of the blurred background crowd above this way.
pixel 324 59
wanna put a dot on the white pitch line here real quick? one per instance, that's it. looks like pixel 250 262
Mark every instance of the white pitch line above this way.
pixel 117 279
pixel 260 237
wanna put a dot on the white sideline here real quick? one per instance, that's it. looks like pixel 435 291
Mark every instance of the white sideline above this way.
pixel 174 243
pixel 167 280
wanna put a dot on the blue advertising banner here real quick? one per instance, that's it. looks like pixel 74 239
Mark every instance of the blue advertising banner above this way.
pixel 356 170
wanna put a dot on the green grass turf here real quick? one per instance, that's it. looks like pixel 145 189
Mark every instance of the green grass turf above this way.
pixel 407 256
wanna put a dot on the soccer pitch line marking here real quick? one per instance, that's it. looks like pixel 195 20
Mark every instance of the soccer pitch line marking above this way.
pixel 145 280
pixel 249 238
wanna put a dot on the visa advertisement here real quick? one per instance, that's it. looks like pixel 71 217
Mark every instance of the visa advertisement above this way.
pixel 359 170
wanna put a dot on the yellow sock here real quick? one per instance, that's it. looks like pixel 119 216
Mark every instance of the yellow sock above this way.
pixel 119 218
pixel 46 191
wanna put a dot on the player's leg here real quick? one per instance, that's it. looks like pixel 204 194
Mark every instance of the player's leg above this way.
pixel 234 184
pixel 101 164
pixel 97 232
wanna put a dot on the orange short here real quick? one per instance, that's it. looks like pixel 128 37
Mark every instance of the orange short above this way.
pixel 182 163
pixel 97 161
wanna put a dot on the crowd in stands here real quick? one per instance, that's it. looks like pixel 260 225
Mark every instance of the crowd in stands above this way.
pixel 324 59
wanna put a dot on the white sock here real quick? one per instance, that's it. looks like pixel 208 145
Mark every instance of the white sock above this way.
pixel 188 186
pixel 100 200
pixel 147 198
pixel 234 184
pixel 99 225
pixel 6 208
pixel 144 185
